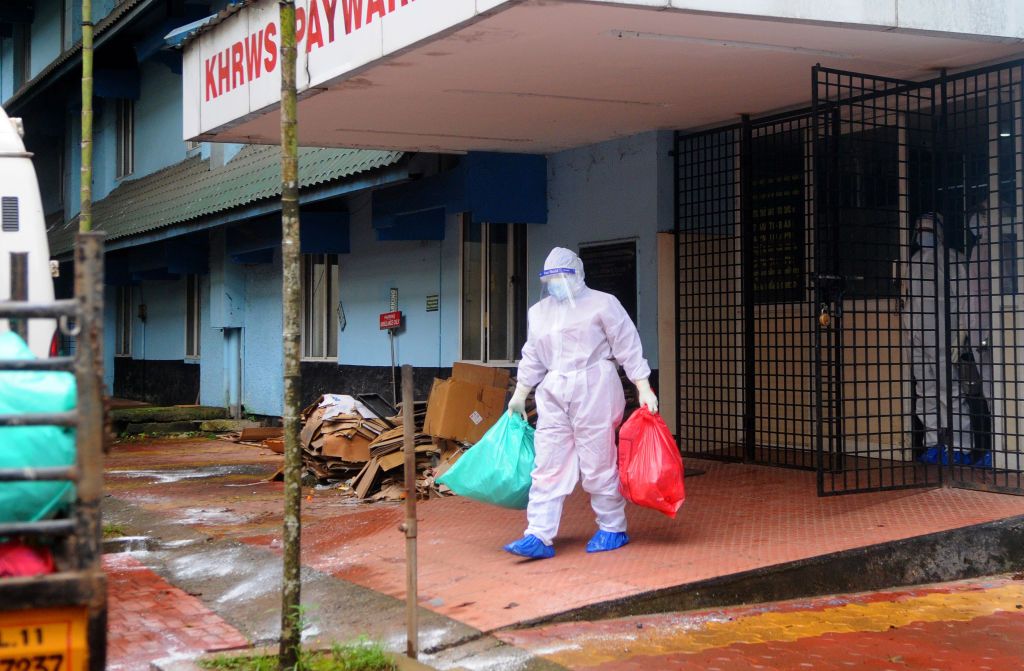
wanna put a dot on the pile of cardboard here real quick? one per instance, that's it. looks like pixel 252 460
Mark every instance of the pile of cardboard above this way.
pixel 343 440
pixel 336 446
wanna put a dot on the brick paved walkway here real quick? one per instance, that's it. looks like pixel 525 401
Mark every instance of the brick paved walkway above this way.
pixel 975 625
pixel 736 518
pixel 150 619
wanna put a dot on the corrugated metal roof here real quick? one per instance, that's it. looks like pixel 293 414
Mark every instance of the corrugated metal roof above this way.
pixel 191 190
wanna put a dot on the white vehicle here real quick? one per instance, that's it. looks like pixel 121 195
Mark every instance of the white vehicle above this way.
pixel 23 230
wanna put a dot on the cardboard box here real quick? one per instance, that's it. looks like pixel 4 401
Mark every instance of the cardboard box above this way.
pixel 355 448
pixel 461 410
pixel 485 376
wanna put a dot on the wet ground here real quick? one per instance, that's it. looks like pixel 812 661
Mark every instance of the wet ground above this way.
pixel 975 625
pixel 209 522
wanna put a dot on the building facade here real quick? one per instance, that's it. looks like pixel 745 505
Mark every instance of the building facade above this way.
pixel 749 178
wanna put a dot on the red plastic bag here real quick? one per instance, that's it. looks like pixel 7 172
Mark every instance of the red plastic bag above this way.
pixel 650 468
pixel 18 560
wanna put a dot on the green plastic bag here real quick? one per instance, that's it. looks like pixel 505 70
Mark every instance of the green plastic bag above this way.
pixel 33 446
pixel 497 469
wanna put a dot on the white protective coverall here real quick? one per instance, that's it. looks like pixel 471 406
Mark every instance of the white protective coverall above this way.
pixel 570 358
pixel 981 288
pixel 924 326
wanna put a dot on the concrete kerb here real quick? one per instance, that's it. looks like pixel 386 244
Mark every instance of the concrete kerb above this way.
pixel 956 554
pixel 402 662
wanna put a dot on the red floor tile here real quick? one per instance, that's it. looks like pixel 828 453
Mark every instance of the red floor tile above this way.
pixel 149 619
pixel 736 518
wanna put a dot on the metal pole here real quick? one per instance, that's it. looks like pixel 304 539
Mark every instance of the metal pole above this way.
pixel 19 290
pixel 394 383
pixel 291 598
pixel 409 527
pixel 747 282
pixel 91 434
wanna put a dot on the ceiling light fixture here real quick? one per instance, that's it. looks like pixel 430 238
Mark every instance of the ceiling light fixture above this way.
pixel 734 44
pixel 1005 134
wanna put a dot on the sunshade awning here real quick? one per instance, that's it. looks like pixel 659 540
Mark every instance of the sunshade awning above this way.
pixel 537 77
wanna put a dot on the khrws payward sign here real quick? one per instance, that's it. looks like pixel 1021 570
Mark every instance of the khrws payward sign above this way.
pixel 233 70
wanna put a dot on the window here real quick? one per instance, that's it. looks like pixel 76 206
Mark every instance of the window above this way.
pixel 319 302
pixel 611 267
pixel 493 291
pixel 125 137
pixel 123 344
pixel 192 316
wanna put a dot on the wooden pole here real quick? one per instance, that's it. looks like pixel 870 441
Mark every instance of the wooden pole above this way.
pixel 85 213
pixel 291 598
pixel 411 589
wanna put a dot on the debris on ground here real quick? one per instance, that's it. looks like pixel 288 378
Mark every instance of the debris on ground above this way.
pixel 362 448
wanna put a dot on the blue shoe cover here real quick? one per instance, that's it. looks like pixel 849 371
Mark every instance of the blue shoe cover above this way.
pixel 531 547
pixel 984 461
pixel 933 454
pixel 607 540
pixel 961 458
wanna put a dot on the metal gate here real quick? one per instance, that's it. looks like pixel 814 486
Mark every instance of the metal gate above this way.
pixel 877 294
pixel 815 328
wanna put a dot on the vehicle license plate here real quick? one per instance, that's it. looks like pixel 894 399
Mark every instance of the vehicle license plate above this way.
pixel 43 639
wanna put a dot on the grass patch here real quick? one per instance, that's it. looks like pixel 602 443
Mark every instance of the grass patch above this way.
pixel 111 530
pixel 360 655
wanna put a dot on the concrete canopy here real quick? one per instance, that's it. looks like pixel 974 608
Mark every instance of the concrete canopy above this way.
pixel 541 76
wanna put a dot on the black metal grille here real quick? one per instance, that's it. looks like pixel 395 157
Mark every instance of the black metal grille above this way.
pixel 877 338
pixel 980 191
pixel 9 214
pixel 819 322
pixel 711 321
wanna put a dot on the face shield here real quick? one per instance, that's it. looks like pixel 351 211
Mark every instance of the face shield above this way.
pixel 928 230
pixel 560 284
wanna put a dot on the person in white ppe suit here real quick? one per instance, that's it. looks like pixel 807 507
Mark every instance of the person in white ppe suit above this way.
pixel 924 326
pixel 983 224
pixel 575 338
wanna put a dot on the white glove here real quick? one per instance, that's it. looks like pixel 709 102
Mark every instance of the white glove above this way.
pixel 646 395
pixel 518 402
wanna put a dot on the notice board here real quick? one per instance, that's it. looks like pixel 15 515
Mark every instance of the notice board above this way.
pixel 611 267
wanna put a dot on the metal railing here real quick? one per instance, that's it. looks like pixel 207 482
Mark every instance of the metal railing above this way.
pixel 77 539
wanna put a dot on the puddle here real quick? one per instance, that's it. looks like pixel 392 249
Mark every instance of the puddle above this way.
pixel 172 475
pixel 137 544
pixel 209 516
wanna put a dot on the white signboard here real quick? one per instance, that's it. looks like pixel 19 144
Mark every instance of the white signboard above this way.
pixel 234 69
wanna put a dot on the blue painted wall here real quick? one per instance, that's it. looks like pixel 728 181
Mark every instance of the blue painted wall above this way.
pixel 73 195
pixel 158 115
pixel 162 336
pixel 109 335
pixel 212 389
pixel 46 43
pixel 262 359
pixel 417 269
pixel 6 68
pixel 104 148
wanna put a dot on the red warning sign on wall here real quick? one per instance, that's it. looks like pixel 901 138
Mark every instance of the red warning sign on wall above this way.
pixel 390 320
